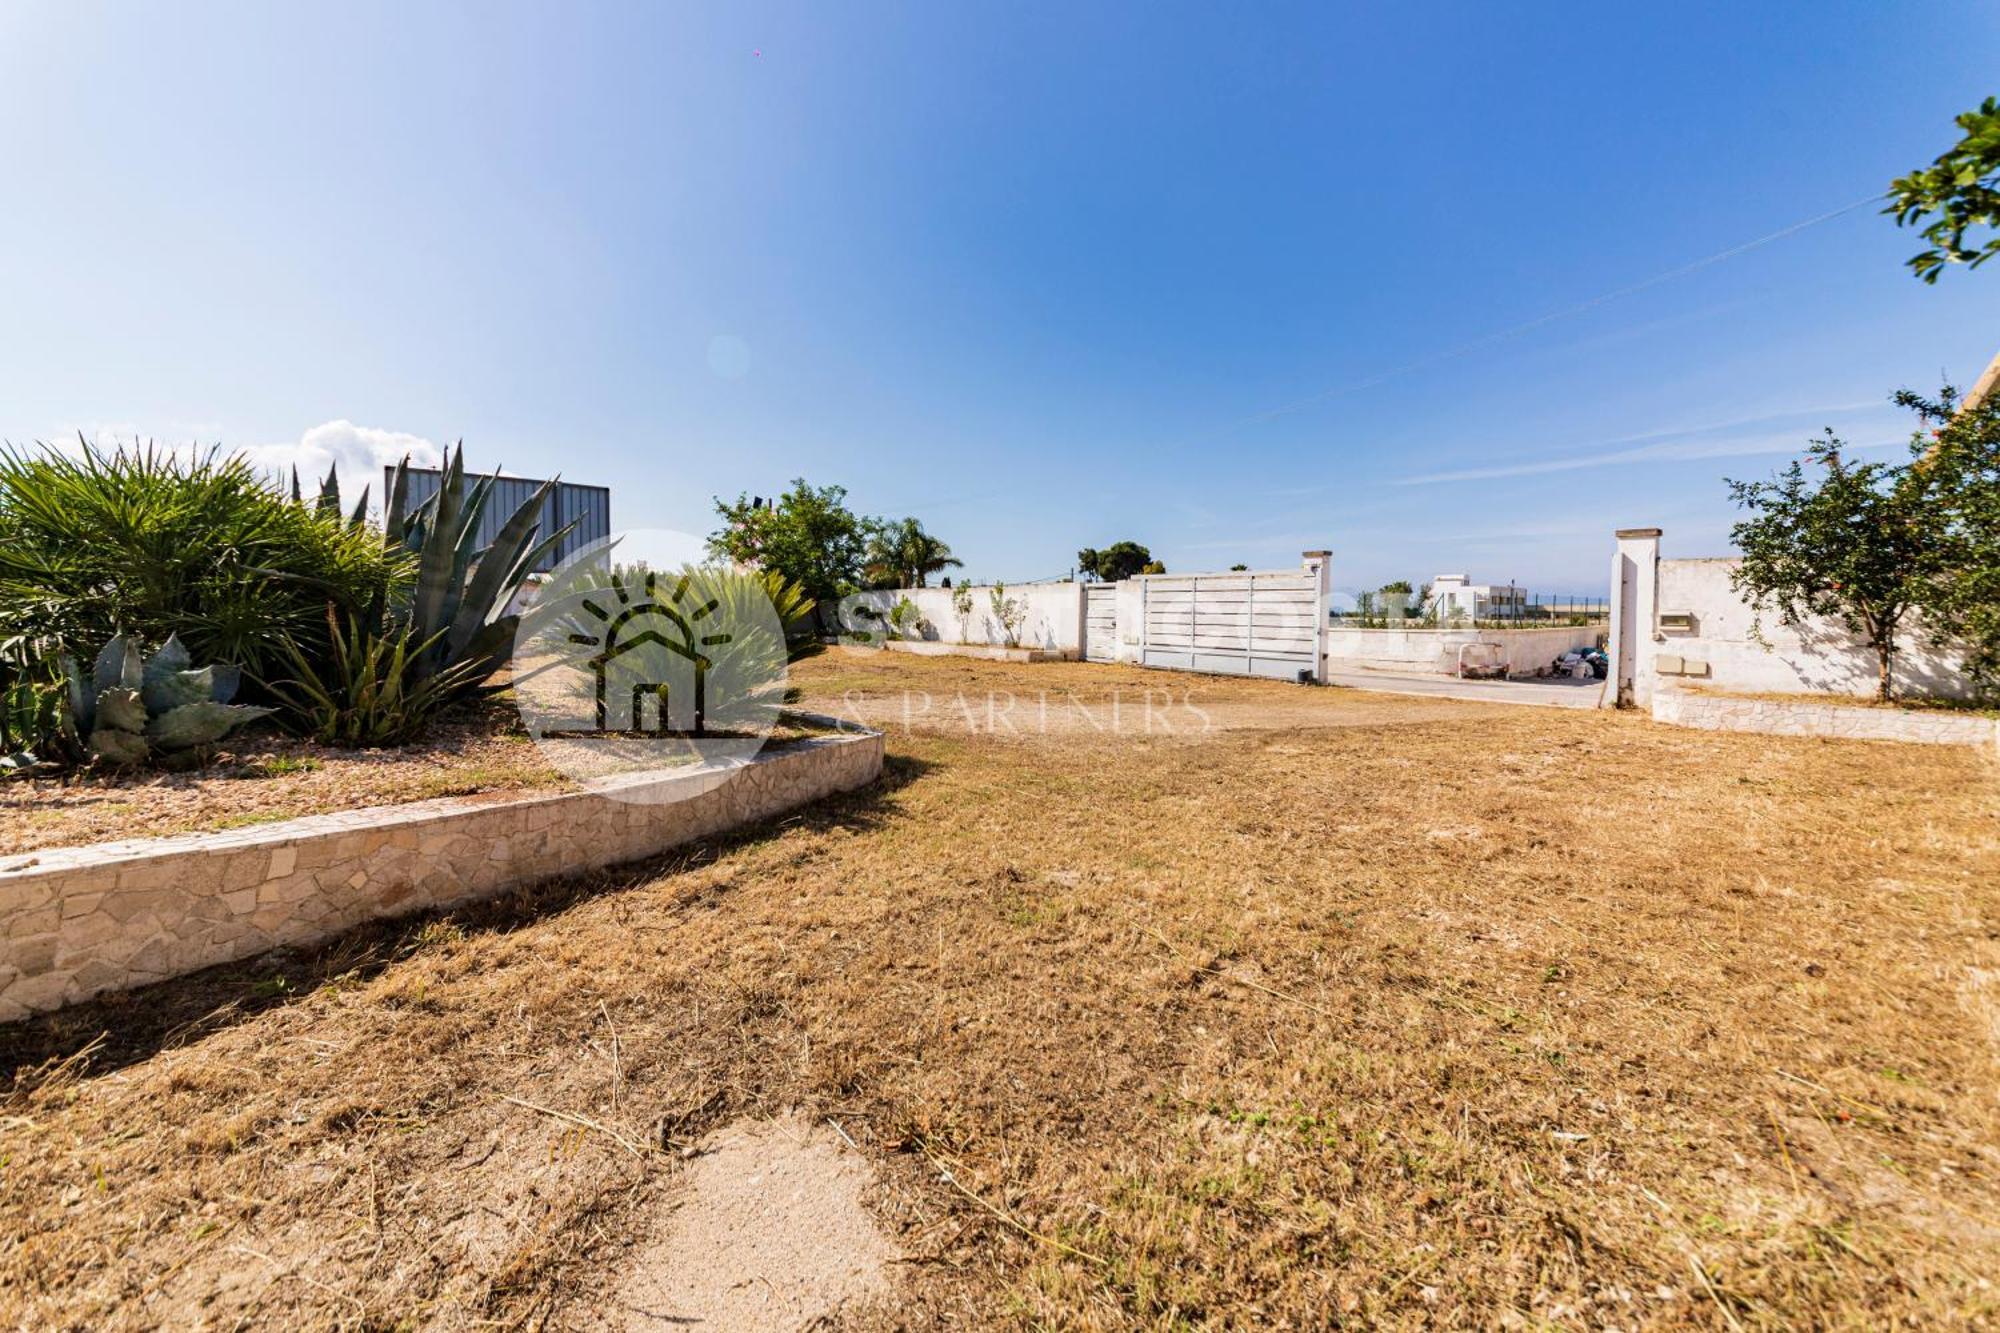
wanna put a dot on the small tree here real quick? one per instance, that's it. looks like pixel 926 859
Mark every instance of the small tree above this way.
pixel 1120 560
pixel 1010 613
pixel 1855 545
pixel 1956 466
pixel 905 621
pixel 808 535
pixel 900 554
pixel 961 606
pixel 1962 188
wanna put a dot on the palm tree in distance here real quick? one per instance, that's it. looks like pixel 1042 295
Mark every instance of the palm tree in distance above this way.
pixel 902 555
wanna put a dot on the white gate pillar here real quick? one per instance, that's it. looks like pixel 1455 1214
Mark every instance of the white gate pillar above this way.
pixel 1635 585
pixel 1319 563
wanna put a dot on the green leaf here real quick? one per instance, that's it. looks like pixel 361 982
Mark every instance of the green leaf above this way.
pixel 118 663
pixel 171 658
pixel 121 708
pixel 117 747
pixel 167 692
pixel 201 723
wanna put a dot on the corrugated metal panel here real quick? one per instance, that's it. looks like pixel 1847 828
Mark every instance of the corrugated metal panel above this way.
pixel 588 506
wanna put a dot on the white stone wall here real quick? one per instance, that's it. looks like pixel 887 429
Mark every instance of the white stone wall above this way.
pixel 1436 650
pixel 82 920
pixel 1721 712
pixel 1054 620
pixel 1820 657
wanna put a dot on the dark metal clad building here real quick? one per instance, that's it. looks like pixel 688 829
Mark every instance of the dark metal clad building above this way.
pixel 588 506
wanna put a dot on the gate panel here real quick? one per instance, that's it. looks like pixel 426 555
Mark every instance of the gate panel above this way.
pixel 1262 624
pixel 1100 622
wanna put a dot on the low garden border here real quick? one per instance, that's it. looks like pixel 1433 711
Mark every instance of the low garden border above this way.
pixel 1717 711
pixel 79 921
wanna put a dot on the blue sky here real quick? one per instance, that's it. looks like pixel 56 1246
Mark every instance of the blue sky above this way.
pixel 1218 279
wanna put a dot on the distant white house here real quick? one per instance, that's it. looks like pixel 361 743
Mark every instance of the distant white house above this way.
pixel 1454 598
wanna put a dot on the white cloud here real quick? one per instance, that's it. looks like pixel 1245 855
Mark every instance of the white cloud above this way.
pixel 360 452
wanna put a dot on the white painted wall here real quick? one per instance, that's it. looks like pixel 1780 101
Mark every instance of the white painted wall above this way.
pixel 1436 650
pixel 1054 621
pixel 1820 657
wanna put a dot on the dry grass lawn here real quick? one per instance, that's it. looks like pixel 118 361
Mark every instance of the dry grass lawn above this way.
pixel 1351 1009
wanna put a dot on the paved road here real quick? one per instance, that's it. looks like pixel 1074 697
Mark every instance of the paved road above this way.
pixel 1541 693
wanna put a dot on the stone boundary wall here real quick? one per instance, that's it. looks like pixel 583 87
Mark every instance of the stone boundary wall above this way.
pixel 78 921
pixel 1804 717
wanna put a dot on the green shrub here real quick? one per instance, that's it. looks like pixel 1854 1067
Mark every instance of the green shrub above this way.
pixel 366 692
pixel 150 544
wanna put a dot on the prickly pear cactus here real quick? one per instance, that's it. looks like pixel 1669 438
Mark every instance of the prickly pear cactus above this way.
pixel 134 709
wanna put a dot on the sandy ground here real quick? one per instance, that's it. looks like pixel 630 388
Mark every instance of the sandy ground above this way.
pixel 769 1231
pixel 1387 1010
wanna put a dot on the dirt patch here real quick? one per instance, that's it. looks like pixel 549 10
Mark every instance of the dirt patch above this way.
pixel 768 1232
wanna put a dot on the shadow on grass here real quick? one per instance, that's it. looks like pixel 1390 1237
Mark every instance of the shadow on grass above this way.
pixel 103 1035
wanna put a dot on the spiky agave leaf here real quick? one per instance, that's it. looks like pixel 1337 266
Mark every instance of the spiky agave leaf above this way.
pixel 440 575
pixel 499 572
pixel 202 723
pixel 122 709
pixel 399 499
pixel 114 746
pixel 82 695
pixel 172 657
pixel 166 692
pixel 329 494
pixel 118 663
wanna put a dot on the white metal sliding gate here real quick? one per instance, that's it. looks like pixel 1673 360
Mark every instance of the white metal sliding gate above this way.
pixel 1251 624
pixel 1100 622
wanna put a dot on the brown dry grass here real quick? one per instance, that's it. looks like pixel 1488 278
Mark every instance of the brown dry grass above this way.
pixel 1391 1010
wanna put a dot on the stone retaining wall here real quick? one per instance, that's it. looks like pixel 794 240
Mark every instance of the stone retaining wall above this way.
pixel 78 921
pixel 1805 717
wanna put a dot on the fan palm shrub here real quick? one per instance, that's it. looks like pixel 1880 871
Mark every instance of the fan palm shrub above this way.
pixel 155 544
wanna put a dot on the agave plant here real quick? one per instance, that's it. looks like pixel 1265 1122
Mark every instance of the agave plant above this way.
pixel 365 694
pixel 132 708
pixel 458 608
